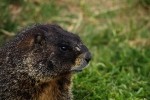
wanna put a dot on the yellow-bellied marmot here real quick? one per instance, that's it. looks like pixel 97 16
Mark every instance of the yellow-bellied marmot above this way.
pixel 38 64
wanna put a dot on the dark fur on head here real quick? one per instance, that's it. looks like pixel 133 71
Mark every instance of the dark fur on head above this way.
pixel 38 59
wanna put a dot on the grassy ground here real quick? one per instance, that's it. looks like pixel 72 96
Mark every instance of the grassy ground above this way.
pixel 117 33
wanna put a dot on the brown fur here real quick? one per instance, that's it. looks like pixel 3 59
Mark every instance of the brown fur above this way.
pixel 52 89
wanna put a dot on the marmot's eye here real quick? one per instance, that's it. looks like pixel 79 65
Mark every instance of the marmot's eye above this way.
pixel 64 47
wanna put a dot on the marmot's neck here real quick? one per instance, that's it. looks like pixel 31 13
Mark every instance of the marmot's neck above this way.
pixel 56 89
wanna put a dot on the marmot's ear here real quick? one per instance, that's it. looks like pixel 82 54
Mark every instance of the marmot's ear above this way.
pixel 39 38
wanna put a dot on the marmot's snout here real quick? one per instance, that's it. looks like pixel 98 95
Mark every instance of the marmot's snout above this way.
pixel 88 57
pixel 81 62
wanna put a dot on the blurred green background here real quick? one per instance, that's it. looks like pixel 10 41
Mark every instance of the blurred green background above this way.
pixel 117 32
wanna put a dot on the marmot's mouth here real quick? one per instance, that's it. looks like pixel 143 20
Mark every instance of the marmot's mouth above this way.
pixel 79 67
pixel 81 61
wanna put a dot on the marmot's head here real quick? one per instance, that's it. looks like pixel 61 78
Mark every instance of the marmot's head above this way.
pixel 49 51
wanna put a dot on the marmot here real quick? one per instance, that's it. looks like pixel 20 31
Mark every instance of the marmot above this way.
pixel 39 62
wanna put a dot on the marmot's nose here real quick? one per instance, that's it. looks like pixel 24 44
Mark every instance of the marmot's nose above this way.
pixel 88 56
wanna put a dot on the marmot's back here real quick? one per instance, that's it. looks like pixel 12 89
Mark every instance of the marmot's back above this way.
pixel 38 64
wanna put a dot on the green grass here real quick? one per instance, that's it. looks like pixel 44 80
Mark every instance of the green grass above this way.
pixel 116 32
